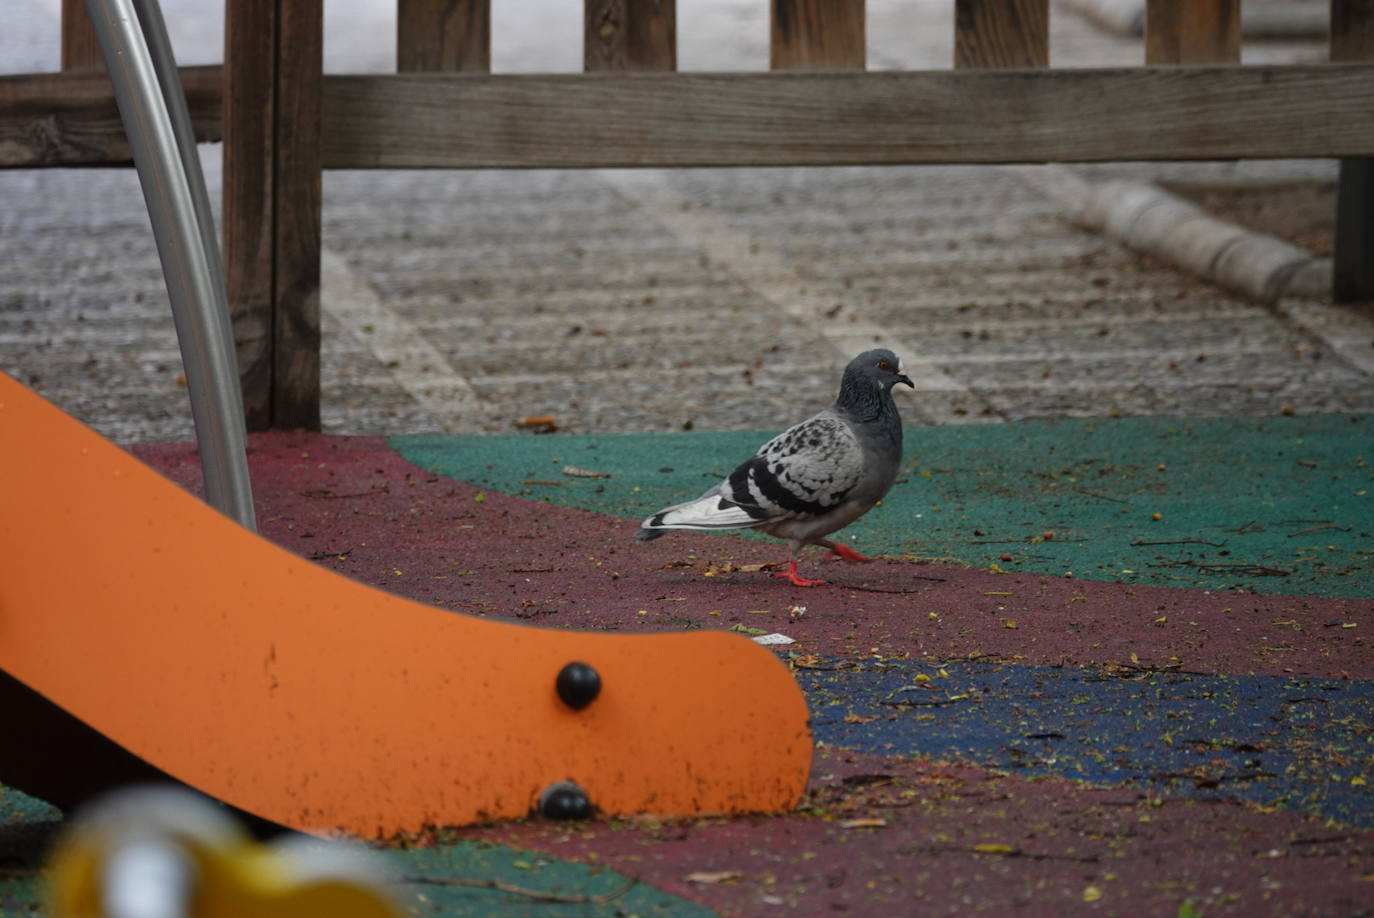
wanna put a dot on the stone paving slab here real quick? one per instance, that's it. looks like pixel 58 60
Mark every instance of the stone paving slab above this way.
pixel 624 300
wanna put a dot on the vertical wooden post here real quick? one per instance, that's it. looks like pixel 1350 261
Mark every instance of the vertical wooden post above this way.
pixel 273 68
pixel 1352 39
pixel 249 150
pixel 1192 32
pixel 452 36
pixel 298 197
pixel 1001 33
pixel 818 35
pixel 80 50
pixel 629 35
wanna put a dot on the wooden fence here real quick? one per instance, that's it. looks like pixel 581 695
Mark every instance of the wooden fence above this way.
pixel 282 121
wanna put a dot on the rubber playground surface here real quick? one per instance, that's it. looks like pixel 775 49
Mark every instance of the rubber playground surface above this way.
pixel 1116 667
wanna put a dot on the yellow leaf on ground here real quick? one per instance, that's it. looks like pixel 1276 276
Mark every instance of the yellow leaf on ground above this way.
pixel 994 848
pixel 864 823
pixel 714 876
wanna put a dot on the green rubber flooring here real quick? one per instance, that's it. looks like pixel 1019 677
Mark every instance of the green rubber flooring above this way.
pixel 1273 505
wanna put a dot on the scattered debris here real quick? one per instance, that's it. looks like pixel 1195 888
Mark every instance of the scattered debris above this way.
pixel 538 423
pixel 573 471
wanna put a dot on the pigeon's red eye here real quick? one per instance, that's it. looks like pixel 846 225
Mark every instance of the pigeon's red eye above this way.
pixel 884 365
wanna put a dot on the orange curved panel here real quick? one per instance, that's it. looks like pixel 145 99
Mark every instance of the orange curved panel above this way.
pixel 323 704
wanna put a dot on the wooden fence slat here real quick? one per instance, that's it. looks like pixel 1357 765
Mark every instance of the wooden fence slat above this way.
pixel 629 35
pixel 272 205
pixel 1352 39
pixel 817 35
pixel 837 118
pixel 1192 32
pixel 298 197
pixel 80 50
pixel 1001 33
pixel 71 119
pixel 452 36
pixel 1352 30
pixel 248 195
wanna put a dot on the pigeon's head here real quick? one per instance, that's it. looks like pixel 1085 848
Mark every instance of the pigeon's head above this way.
pixel 878 367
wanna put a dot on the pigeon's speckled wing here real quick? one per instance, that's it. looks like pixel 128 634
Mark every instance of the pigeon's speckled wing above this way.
pixel 803 472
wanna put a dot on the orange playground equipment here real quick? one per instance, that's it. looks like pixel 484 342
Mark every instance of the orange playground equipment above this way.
pixel 325 705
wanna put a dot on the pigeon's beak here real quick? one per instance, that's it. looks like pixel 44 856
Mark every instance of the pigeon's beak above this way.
pixel 903 378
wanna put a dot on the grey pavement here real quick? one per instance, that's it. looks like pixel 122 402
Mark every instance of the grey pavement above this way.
pixel 662 300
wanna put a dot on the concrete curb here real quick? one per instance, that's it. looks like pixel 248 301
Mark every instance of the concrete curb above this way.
pixel 1127 17
pixel 1150 220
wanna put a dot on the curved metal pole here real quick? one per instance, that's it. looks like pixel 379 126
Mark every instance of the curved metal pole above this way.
pixel 149 14
pixel 153 109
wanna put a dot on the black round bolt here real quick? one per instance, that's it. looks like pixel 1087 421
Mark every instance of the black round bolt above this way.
pixel 578 685
pixel 564 800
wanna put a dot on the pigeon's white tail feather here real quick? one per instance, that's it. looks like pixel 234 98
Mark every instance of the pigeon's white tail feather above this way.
pixel 705 513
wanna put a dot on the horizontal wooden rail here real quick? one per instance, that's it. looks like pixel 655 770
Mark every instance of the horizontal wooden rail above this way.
pixel 71 119
pixel 846 118
pixel 593 120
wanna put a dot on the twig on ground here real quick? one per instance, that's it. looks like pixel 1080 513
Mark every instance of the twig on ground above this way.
pixel 868 589
pixel 1319 529
pixel 321 555
pixel 1009 851
pixel 326 494
pixel 1239 567
pixel 1115 500
pixel 535 894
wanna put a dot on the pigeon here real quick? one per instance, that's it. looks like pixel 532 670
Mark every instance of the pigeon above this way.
pixel 812 479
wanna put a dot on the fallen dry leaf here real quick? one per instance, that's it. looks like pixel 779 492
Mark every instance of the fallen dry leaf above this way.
pixel 859 719
pixel 870 822
pixel 540 423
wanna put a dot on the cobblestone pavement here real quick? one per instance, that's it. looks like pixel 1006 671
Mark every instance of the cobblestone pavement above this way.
pixel 662 300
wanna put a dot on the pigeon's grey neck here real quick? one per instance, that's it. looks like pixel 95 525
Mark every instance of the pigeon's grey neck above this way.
pixel 863 399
